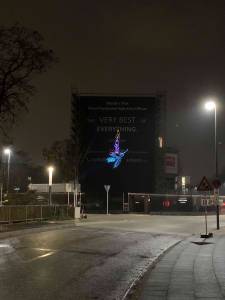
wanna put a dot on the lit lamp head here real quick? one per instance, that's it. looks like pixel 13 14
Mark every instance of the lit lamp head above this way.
pixel 7 151
pixel 210 105
pixel 50 171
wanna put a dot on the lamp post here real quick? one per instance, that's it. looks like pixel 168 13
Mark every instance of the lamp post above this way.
pixel 7 151
pixel 211 105
pixel 50 172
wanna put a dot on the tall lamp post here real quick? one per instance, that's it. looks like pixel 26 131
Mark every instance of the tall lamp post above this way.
pixel 7 151
pixel 211 105
pixel 50 172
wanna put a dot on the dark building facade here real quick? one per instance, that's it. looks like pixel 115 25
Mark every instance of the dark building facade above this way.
pixel 140 121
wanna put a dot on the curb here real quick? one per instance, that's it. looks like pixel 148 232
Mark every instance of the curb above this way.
pixel 152 263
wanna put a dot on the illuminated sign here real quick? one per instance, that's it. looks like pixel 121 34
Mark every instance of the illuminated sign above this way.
pixel 171 164
pixel 115 157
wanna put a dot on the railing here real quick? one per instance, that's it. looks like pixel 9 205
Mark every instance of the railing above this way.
pixel 26 213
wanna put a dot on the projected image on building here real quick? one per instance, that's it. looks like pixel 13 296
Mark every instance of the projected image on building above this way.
pixel 116 155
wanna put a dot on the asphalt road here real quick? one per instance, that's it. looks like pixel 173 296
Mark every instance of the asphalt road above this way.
pixel 95 259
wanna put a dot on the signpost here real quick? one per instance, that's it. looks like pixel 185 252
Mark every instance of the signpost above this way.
pixel 205 186
pixel 1 190
pixel 76 205
pixel 107 188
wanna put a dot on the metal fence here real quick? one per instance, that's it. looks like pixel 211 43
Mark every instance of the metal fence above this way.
pixel 142 202
pixel 27 213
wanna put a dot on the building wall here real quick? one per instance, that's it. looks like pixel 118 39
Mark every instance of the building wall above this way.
pixel 141 121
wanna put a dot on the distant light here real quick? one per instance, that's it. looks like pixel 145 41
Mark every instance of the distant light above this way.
pixel 50 169
pixel 210 105
pixel 182 200
pixel 160 139
pixel 183 181
pixel 7 151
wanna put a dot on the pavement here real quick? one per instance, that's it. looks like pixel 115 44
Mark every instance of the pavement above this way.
pixel 193 269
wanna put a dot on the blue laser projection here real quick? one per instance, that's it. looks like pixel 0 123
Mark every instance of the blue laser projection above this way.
pixel 115 157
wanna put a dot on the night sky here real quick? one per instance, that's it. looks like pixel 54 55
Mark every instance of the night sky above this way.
pixel 127 46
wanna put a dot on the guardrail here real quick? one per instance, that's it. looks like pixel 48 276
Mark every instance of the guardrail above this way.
pixel 25 213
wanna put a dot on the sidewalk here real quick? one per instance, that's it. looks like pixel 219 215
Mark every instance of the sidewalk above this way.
pixel 190 270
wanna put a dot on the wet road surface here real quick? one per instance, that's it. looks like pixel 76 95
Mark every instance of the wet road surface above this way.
pixel 78 263
pixel 97 259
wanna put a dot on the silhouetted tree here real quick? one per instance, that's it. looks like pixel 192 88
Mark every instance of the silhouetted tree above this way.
pixel 60 154
pixel 79 143
pixel 22 55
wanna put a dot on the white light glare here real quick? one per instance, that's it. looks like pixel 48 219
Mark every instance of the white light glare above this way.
pixel 50 169
pixel 210 105
pixel 7 151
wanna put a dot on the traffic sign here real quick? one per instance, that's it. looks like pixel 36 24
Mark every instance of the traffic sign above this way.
pixel 204 185
pixel 107 187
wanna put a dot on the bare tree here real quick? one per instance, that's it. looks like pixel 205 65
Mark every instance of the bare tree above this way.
pixel 61 155
pixel 22 55
pixel 79 143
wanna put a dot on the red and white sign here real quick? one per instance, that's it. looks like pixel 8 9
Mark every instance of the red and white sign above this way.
pixel 171 163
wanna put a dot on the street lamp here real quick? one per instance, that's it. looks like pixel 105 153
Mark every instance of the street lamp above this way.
pixel 50 172
pixel 7 151
pixel 211 105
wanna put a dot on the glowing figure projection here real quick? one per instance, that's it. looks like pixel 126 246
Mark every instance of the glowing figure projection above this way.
pixel 115 157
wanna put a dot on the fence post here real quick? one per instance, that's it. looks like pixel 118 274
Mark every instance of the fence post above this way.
pixel 41 213
pixel 26 213
pixel 9 214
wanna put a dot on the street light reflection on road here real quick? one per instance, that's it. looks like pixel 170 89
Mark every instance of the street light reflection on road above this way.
pixel 5 246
